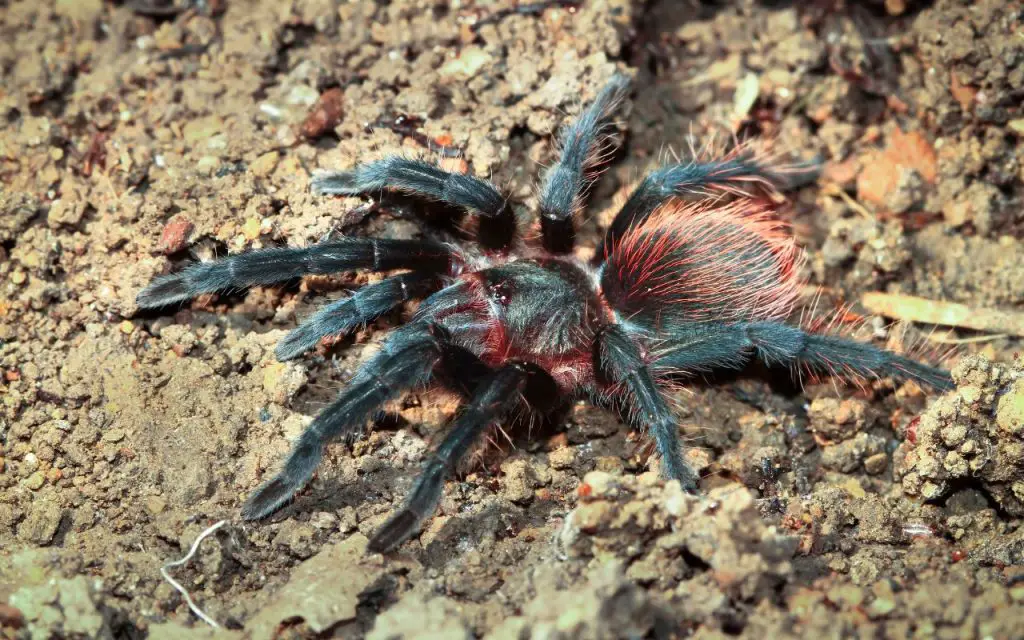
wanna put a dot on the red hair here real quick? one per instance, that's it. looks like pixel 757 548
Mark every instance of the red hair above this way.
pixel 699 262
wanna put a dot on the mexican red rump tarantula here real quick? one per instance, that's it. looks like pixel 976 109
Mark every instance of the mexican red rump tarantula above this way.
pixel 676 288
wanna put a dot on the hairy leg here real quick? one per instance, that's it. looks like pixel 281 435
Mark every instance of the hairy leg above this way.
pixel 709 346
pixel 497 224
pixel 363 306
pixel 406 360
pixel 492 400
pixel 564 183
pixel 270 266
pixel 623 364
pixel 696 177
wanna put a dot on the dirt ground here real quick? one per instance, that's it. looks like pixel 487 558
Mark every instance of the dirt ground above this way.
pixel 139 136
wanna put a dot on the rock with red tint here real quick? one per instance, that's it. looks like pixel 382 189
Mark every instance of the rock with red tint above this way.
pixel 175 236
pixel 325 114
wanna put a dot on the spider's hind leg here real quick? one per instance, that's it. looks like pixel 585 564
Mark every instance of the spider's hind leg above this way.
pixel 735 171
pixel 710 345
pixel 624 365
pixel 779 344
pixel 494 397
pixel 406 361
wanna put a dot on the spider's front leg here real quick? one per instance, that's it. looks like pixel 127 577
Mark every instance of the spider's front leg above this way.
pixel 623 364
pixel 734 172
pixel 272 266
pixel 583 143
pixel 497 220
pixel 492 400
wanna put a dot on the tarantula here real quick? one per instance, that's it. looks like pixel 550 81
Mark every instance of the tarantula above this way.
pixel 676 287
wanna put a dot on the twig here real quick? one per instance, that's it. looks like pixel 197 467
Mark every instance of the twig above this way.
pixel 951 314
pixel 177 563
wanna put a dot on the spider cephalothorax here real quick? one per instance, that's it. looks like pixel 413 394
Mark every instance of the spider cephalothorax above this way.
pixel 675 288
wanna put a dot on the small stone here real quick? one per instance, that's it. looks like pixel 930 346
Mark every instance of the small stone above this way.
pixel 325 114
pixel 1010 410
pixel 602 484
pixel 155 505
pixel 113 435
pixel 40 526
pixel 562 458
pixel 18 277
pixel 930 490
pixel 469 62
pixel 35 481
pixel 297 538
pixel 79 10
pixel 251 229
pixel 175 235
pixel 201 129
pixel 126 327
pixel 324 520
pixel 11 617
pixel 264 165
pixel 207 164
pixel 876 464
pixel 519 482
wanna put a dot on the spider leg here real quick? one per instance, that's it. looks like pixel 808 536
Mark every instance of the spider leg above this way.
pixel 497 224
pixel 698 178
pixel 565 182
pixel 406 360
pixel 624 365
pixel 269 266
pixel 493 399
pixel 366 304
pixel 710 345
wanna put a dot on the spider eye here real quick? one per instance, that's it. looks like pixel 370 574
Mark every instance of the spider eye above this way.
pixel 500 292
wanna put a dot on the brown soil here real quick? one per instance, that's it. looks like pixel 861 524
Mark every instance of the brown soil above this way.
pixel 137 139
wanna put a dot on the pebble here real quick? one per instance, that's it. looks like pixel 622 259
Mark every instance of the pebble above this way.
pixel 264 165
pixel 325 114
pixel 35 481
pixel 251 229
pixel 155 504
pixel 113 435
pixel 175 235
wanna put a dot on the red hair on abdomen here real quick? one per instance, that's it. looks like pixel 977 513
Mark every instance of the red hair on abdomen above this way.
pixel 697 262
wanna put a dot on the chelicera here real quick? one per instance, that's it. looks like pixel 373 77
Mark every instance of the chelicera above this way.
pixel 679 285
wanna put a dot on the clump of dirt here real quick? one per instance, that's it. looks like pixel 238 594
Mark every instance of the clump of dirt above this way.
pixel 957 441
pixel 139 136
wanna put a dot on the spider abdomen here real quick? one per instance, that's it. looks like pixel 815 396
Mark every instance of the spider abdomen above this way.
pixel 702 263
